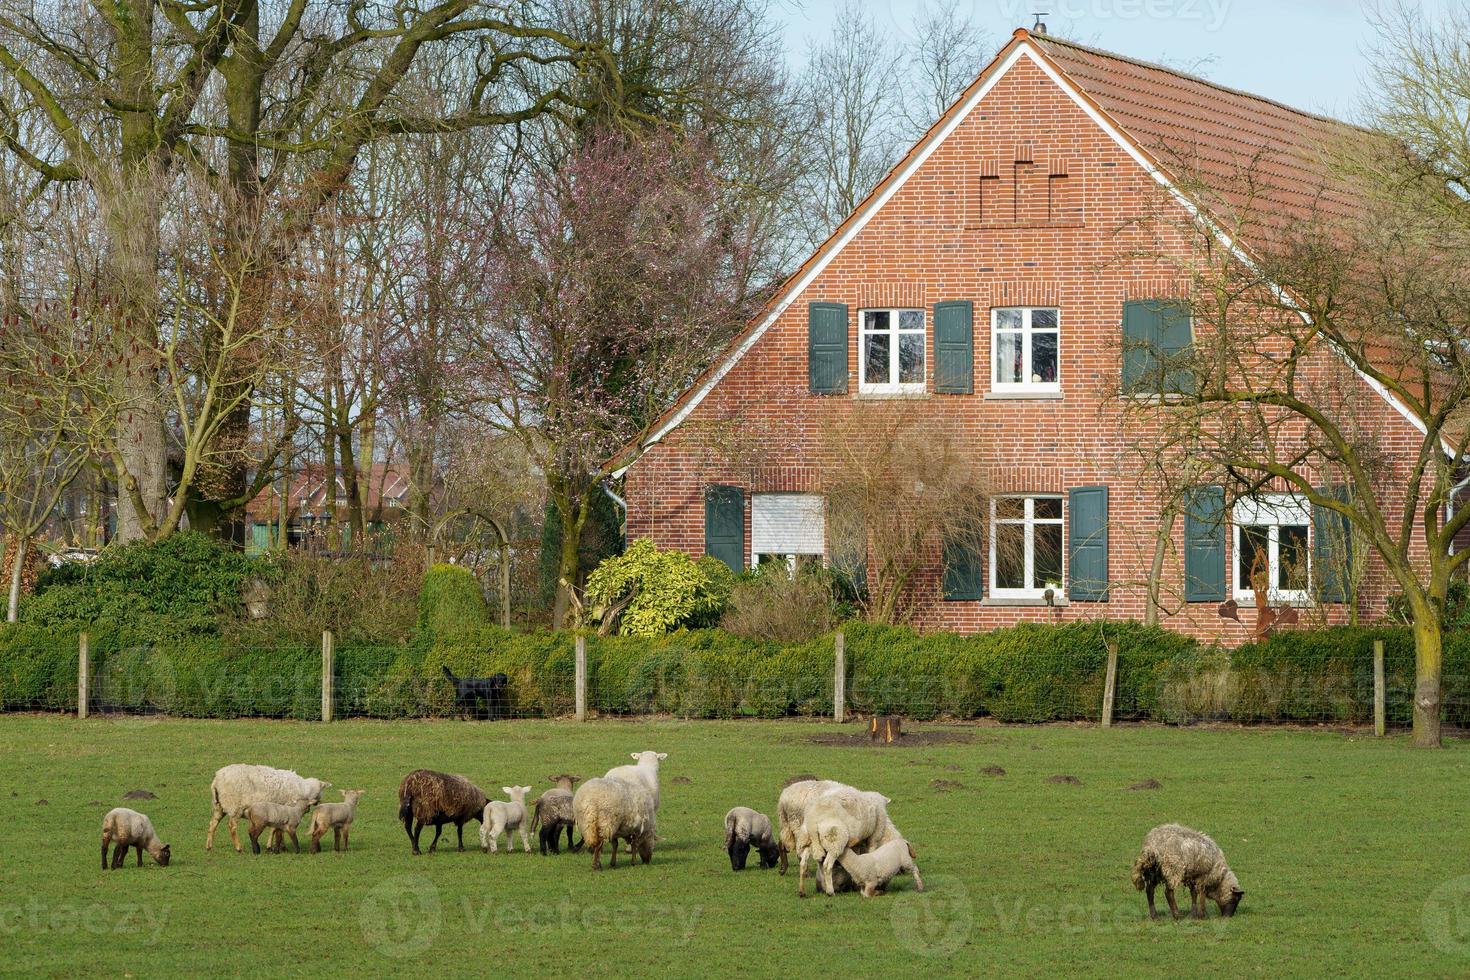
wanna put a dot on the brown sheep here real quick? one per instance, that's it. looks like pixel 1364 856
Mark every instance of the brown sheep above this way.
pixel 552 810
pixel 427 797
pixel 1175 857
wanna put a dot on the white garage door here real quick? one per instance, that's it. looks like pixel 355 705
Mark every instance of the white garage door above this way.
pixel 787 524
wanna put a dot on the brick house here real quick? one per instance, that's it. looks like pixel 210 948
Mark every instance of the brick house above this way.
pixel 970 281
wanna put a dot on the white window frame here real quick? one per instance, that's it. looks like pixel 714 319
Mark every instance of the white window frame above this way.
pixel 894 333
pixel 1273 511
pixel 1027 332
pixel 788 558
pixel 1029 520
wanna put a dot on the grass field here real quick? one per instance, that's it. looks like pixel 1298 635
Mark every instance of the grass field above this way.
pixel 1352 853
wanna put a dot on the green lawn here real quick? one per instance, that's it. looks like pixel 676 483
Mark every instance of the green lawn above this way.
pixel 1352 852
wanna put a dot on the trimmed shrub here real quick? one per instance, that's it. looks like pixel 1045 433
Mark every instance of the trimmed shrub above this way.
pixel 451 601
pixel 653 592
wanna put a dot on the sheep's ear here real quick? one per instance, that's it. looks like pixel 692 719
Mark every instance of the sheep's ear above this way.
pixel 662 756
pixel 633 755
pixel 507 790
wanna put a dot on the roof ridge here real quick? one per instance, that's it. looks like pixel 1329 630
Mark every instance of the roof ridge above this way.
pixel 1045 39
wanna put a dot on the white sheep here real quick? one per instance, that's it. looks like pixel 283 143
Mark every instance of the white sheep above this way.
pixel 336 817
pixel 502 817
pixel 746 828
pixel 1177 857
pixel 609 810
pixel 871 872
pixel 835 822
pixel 645 772
pixel 791 810
pixel 237 786
pixel 129 828
pixel 280 818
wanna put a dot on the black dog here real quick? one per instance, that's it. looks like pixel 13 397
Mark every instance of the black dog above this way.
pixel 470 692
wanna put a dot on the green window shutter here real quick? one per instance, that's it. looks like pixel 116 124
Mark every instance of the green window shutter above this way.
pixel 954 348
pixel 1158 336
pixel 1204 545
pixel 1332 547
pixel 1087 544
pixel 962 572
pixel 724 525
pixel 826 337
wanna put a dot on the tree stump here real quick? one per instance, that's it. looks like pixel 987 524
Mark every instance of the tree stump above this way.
pixel 885 728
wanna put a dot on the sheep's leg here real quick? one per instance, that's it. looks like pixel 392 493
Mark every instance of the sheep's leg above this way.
pixel 597 856
pixel 119 852
pixel 234 835
pixel 616 842
pixel 413 833
pixel 214 820
pixel 140 855
pixel 1153 913
pixel 105 842
pixel 918 882
pixel 1169 894
pixel 801 873
pixel 1196 902
pixel 338 834
pixel 782 852
pixel 316 840
pixel 525 839
pixel 344 838
pixel 438 829
pixel 294 842
pixel 577 846
pixel 459 833
pixel 255 838
pixel 827 864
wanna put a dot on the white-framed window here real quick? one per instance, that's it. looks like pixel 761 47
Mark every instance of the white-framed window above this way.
pixel 1025 546
pixel 1025 344
pixel 787 528
pixel 891 350
pixel 1272 535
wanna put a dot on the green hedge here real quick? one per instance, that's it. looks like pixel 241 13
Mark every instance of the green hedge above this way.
pixel 1028 673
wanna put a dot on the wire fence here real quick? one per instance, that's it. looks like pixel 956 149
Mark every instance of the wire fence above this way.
pixel 389 682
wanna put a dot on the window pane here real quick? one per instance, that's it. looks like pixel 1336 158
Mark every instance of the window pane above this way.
pixel 1010 508
pixel 1043 319
pixel 1292 574
pixel 911 319
pixel 1044 358
pixel 911 358
pixel 1048 507
pixel 1008 358
pixel 875 355
pixel 1008 319
pixel 1254 556
pixel 875 320
pixel 1010 556
pixel 1048 556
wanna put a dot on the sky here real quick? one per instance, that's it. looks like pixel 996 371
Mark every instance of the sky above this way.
pixel 1310 54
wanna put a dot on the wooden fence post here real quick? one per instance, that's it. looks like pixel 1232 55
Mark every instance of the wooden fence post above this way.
pixel 581 678
pixel 1379 694
pixel 83 695
pixel 1110 684
pixel 328 676
pixel 839 679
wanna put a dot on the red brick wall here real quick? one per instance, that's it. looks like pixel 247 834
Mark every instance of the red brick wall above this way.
pixel 936 240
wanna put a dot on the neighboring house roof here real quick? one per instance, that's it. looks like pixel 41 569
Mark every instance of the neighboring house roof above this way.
pixel 307 492
pixel 1168 121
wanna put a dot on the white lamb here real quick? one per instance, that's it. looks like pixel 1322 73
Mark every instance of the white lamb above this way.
pixel 502 817
pixel 645 772
pixel 837 821
pixel 237 786
pixel 129 828
pixel 279 818
pixel 791 810
pixel 872 871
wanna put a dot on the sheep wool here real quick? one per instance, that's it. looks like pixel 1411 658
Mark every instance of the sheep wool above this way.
pixel 237 786
pixel 502 817
pixel 791 810
pixel 874 870
pixel 645 772
pixel 835 822
pixel 336 817
pixel 433 798
pixel 746 828
pixel 609 810
pixel 1178 857
pixel 128 828
pixel 552 811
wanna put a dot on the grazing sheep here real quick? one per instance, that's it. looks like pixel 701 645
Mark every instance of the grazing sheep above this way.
pixel 129 828
pixel 426 797
pixel 336 817
pixel 280 818
pixel 836 821
pixel 745 827
pixel 872 871
pixel 609 810
pixel 552 810
pixel 1178 856
pixel 501 817
pixel 236 787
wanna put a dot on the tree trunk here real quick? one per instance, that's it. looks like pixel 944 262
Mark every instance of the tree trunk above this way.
pixel 17 572
pixel 1156 570
pixel 573 515
pixel 1428 661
